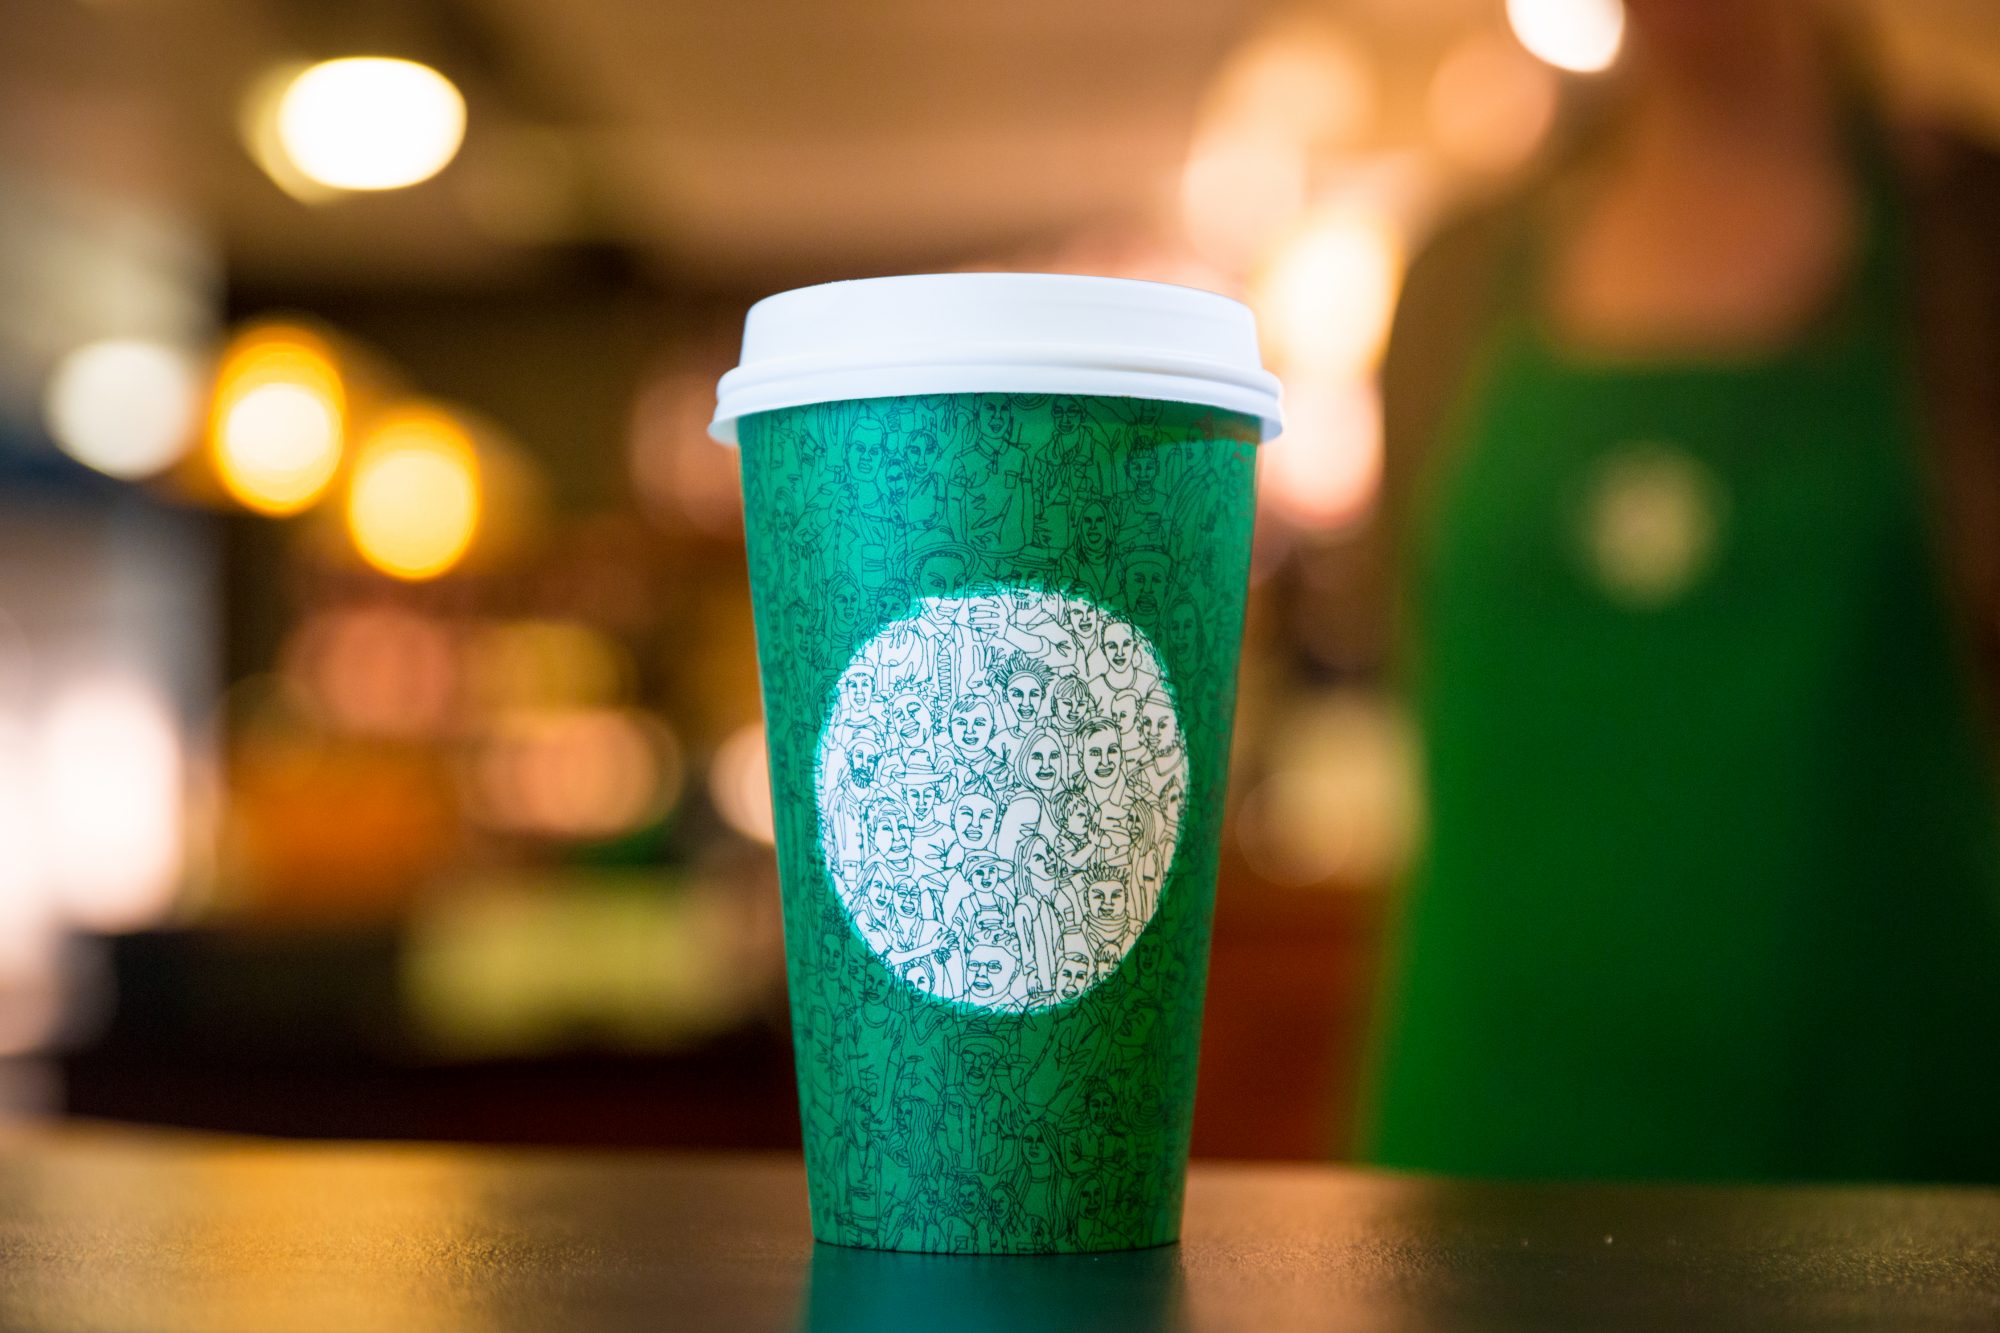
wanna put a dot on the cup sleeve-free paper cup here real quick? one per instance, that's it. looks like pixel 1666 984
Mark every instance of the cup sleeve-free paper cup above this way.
pixel 998 636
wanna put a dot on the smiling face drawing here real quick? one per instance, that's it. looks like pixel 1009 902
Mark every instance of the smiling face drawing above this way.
pixel 1105 900
pixel 996 419
pixel 1024 692
pixel 864 447
pixel 1103 756
pixel 1066 415
pixel 1159 728
pixel 1093 527
pixel 1042 762
pixel 1073 976
pixel 973 821
pixel 889 831
pixel 972 727
pixel 1118 640
pixel 989 974
pixel 1000 786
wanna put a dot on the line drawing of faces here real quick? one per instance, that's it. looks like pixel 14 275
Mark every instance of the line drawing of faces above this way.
pixel 1042 762
pixel 971 726
pixel 973 819
pixel 1103 756
pixel 949 867
pixel 1025 697
pixel 1001 785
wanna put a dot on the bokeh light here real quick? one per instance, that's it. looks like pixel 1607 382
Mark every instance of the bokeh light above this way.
pixel 1582 36
pixel 413 502
pixel 1324 471
pixel 1325 298
pixel 1302 79
pixel 739 784
pixel 110 780
pixel 370 123
pixel 125 406
pixel 682 475
pixel 1489 105
pixel 278 422
pixel 23 867
pixel 1296 90
pixel 576 773
pixel 1238 189
pixel 377 670
pixel 540 664
pixel 29 942
pixel 1339 803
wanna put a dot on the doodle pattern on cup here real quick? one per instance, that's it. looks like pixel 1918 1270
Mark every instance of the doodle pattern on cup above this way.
pixel 930 1123
pixel 1000 787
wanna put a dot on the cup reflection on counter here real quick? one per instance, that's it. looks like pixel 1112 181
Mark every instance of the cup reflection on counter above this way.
pixel 865 1291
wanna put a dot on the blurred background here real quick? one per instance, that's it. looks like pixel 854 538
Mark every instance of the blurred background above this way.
pixel 379 736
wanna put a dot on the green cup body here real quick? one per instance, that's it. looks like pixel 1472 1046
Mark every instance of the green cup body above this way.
pixel 998 636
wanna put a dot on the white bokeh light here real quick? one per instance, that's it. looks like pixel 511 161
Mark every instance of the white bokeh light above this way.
pixel 110 785
pixel 24 900
pixel 1323 472
pixel 370 123
pixel 1325 299
pixel 739 784
pixel 1582 36
pixel 125 406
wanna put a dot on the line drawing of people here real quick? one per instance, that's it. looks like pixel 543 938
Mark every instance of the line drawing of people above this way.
pixel 1102 750
pixel 1070 705
pixel 1106 904
pixel 1120 665
pixel 974 820
pixel 1162 757
pixel 993 978
pixel 1124 711
pixel 1024 693
pixel 1000 780
pixel 1037 918
pixel 1188 644
pixel 927 794
pixel 971 727
pixel 991 503
pixel 1090 562
pixel 1041 772
pixel 936 570
pixel 1039 1184
pixel 979 898
pixel 1147 570
pixel 1074 974
pixel 1001 773
pixel 1143 503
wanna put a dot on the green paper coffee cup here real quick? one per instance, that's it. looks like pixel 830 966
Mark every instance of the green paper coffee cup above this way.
pixel 999 535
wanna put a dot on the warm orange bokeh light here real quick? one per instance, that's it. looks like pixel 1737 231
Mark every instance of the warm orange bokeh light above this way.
pixel 413 503
pixel 278 420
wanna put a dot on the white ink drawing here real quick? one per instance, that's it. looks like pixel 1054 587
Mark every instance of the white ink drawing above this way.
pixel 1000 785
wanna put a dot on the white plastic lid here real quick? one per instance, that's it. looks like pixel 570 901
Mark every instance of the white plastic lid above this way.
pixel 997 333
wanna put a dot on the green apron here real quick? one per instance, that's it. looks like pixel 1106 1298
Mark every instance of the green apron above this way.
pixel 1711 877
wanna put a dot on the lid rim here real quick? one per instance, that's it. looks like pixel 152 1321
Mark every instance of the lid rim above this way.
pixel 982 333
pixel 1242 401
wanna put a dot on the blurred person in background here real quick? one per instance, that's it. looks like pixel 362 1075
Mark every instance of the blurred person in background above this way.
pixel 1694 468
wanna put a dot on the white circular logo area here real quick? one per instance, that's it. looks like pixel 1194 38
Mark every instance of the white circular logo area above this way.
pixel 1000 790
